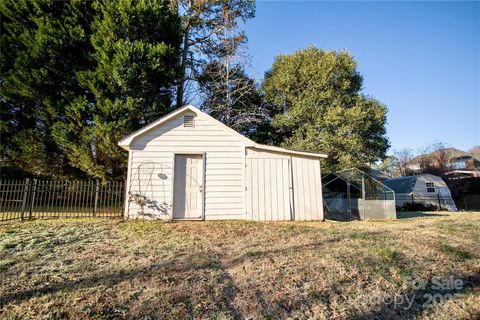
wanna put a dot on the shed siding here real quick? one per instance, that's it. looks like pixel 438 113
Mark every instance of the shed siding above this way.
pixel 267 189
pixel 305 178
pixel 307 189
pixel 224 191
pixel 258 153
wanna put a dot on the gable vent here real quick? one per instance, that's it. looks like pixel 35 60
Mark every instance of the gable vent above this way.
pixel 188 121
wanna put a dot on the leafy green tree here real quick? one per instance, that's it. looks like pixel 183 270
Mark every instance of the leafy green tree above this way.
pixel 318 105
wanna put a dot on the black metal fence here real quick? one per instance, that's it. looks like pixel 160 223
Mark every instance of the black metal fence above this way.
pixel 424 203
pixel 39 199
pixel 469 202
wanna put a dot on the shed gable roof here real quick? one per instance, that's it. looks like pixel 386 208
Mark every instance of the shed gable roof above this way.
pixel 126 141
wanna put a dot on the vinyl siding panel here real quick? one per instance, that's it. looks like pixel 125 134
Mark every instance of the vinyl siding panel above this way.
pixel 153 153
pixel 258 153
pixel 282 186
pixel 307 189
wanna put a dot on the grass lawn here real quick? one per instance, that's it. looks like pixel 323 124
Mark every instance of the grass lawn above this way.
pixel 82 268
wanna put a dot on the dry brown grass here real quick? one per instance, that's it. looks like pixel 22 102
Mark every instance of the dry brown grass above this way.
pixel 223 270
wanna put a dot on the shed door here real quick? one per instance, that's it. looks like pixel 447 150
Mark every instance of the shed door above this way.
pixel 268 189
pixel 187 198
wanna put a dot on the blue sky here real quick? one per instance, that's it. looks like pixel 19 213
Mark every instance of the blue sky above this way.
pixel 422 59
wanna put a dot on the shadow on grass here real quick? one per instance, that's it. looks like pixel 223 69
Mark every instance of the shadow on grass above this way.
pixel 341 219
pixel 175 267
pixel 259 254
pixel 110 279
pixel 284 305
pixel 169 269
pixel 424 295
pixel 418 214
pixel 230 291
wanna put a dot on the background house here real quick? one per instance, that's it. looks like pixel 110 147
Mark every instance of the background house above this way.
pixel 464 166
pixel 447 161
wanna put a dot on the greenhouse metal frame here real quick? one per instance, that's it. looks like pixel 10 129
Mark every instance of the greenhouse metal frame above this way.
pixel 352 194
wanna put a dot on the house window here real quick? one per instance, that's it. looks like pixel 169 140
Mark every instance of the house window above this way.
pixel 430 187
pixel 188 122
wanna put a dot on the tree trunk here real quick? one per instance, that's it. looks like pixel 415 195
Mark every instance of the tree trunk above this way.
pixel 183 68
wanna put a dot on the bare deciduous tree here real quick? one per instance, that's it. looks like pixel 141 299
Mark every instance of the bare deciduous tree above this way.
pixel 404 158
pixel 202 21
pixel 475 151
pixel 434 159
pixel 229 94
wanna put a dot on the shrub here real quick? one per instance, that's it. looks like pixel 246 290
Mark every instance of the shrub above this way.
pixel 416 206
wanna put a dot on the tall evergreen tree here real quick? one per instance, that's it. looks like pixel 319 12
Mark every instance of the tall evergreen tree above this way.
pixel 136 54
pixel 77 75
pixel 43 45
pixel 316 95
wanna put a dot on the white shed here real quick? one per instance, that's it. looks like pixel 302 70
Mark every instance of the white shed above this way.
pixel 426 189
pixel 187 165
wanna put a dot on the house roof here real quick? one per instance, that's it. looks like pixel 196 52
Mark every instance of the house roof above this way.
pixel 401 184
pixel 379 175
pixel 450 153
pixel 127 140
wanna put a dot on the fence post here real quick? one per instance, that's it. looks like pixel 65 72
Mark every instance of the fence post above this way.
pixel 25 197
pixel 34 190
pixel 364 198
pixel 125 203
pixel 96 199
pixel 413 200
pixel 439 202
